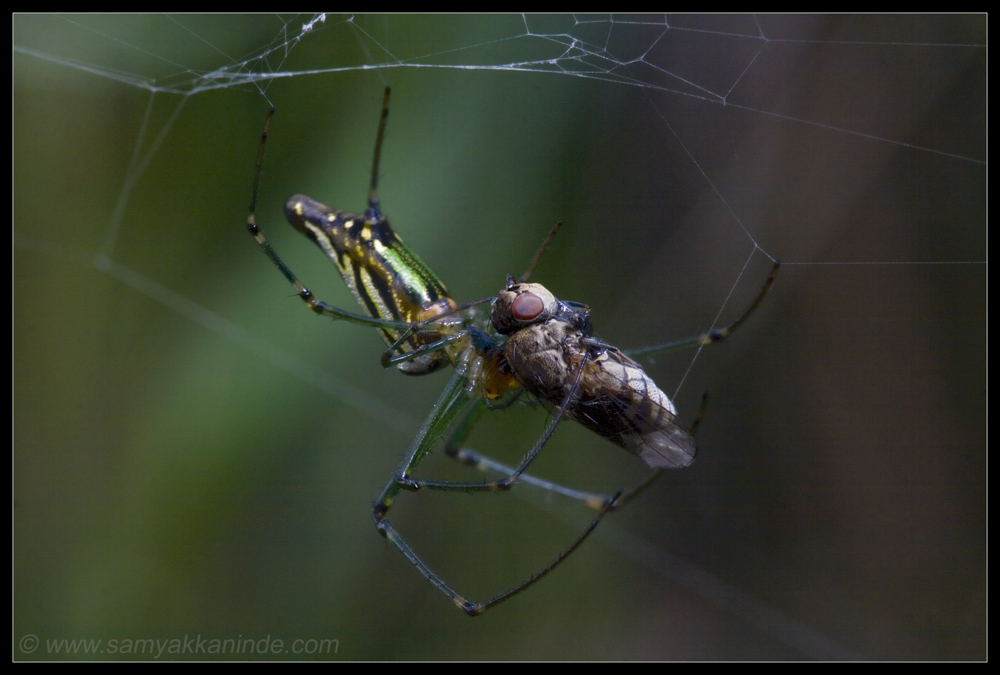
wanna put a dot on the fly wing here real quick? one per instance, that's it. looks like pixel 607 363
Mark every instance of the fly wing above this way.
pixel 668 446
pixel 618 400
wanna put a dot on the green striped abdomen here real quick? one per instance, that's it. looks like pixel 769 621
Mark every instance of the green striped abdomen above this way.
pixel 389 281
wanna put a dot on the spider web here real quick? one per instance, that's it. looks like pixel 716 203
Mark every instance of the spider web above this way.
pixel 194 452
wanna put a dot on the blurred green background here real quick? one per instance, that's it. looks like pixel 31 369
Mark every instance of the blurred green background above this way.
pixel 195 454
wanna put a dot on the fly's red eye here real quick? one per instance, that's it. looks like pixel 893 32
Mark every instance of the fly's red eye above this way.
pixel 526 307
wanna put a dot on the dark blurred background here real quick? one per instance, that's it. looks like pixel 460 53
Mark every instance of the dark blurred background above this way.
pixel 195 454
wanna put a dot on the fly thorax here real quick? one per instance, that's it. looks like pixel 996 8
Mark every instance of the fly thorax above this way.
pixel 542 357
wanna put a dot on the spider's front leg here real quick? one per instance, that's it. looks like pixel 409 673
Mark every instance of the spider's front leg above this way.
pixel 306 295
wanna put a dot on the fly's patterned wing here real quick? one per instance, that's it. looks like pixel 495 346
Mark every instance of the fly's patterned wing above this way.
pixel 619 401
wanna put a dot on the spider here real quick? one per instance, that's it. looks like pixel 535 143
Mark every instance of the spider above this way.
pixel 529 345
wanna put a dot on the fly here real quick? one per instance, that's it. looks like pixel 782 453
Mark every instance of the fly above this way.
pixel 614 397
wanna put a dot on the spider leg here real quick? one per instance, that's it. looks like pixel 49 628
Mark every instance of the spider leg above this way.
pixel 609 506
pixel 714 335
pixel 405 481
pixel 396 353
pixel 541 250
pixel 483 463
pixel 449 405
pixel 486 464
pixel 467 606
pixel 594 500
